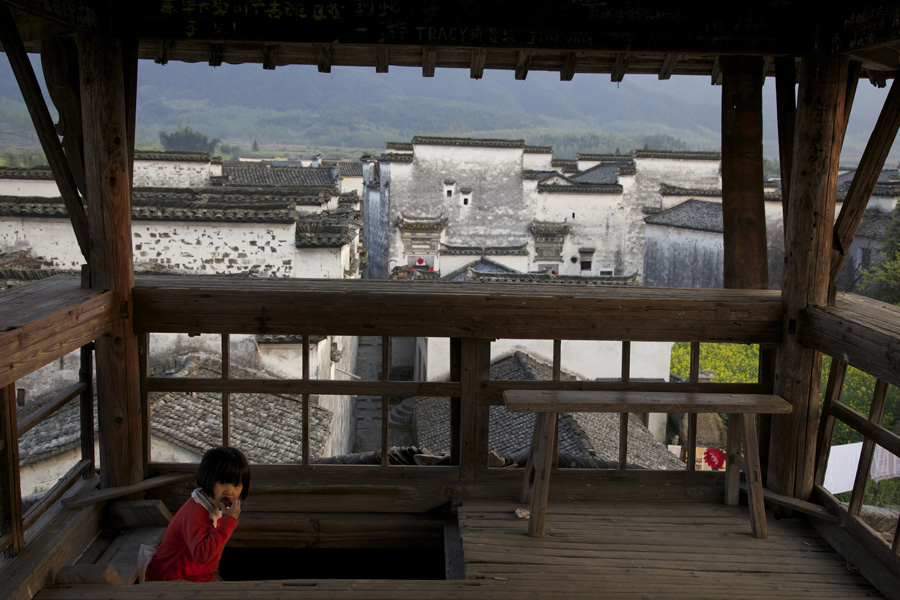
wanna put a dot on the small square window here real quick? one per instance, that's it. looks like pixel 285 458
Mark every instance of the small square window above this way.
pixel 449 193
pixel 466 201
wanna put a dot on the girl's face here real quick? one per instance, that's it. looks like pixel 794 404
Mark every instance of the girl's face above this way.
pixel 226 493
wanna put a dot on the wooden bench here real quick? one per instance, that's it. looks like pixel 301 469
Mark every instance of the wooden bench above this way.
pixel 741 410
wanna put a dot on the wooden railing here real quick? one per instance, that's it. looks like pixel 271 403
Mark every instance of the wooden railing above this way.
pixel 470 316
pixel 15 523
pixel 863 334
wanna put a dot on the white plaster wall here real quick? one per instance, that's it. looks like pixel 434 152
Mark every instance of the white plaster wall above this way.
pixel 678 257
pixel 595 221
pixel 29 187
pixel 495 215
pixel 266 249
pixel 320 263
pixel 50 240
pixel 586 359
pixel 171 173
pixel 537 161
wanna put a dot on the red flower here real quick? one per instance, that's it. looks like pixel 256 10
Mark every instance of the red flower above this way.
pixel 715 458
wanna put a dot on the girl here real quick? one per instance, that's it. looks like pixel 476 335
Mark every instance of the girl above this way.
pixel 194 540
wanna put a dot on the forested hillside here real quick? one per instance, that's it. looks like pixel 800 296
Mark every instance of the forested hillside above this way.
pixel 351 111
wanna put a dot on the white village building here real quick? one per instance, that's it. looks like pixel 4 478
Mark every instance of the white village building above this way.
pixel 440 207
pixel 193 215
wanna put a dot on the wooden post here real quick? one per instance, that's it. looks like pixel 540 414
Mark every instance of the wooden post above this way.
pixel 10 489
pixel 743 202
pixel 808 234
pixel 786 105
pixel 108 192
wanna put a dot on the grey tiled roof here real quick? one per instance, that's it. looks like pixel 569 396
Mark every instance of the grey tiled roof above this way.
pixel 42 173
pixel 480 143
pixel 584 436
pixel 179 156
pixel 346 168
pixel 482 265
pixel 874 224
pixel 265 174
pixel 538 149
pixel 580 189
pixel 673 190
pixel 691 214
pixel 266 427
pixel 604 174
pixel 521 250
pixel 397 157
pixel 327 229
pixel 548 277
pixel 678 155
pixel 399 146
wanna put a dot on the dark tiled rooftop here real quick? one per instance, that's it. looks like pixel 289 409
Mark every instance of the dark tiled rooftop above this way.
pixel 691 214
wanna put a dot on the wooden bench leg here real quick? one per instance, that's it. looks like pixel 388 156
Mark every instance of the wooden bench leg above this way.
pixel 733 460
pixel 543 463
pixel 754 477
pixel 742 436
pixel 528 480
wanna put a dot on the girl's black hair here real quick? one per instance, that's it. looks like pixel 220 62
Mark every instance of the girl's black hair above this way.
pixel 223 465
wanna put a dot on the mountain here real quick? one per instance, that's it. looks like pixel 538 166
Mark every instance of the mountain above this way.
pixel 296 109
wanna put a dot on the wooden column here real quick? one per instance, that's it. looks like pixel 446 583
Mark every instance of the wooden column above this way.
pixel 808 236
pixel 743 202
pixel 108 185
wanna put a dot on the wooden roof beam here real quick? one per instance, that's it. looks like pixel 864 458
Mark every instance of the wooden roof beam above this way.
pixel 429 58
pixel 382 59
pixel 216 53
pixel 620 67
pixel 476 69
pixel 162 52
pixel 46 130
pixel 323 57
pixel 567 72
pixel 668 67
pixel 523 63
pixel 270 56
pixel 864 180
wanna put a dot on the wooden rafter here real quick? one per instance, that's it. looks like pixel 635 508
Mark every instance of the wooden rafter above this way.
pixel 476 70
pixel 45 128
pixel 523 63
pixel 864 180
pixel 382 59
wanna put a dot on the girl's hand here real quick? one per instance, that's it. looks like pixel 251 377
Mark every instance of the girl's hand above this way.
pixel 232 508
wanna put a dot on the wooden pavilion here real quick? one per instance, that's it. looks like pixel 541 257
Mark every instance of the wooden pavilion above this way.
pixel 617 533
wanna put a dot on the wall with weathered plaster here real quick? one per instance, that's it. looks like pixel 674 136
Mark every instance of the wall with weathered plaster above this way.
pixel 586 359
pixel 39 188
pixel 171 173
pixel 491 179
pixel 265 249
pixel 675 257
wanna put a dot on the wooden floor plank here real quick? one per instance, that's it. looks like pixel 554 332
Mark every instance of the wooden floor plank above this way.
pixel 592 551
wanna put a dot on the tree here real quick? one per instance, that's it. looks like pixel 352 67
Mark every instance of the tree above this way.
pixel 882 280
pixel 255 146
pixel 185 139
